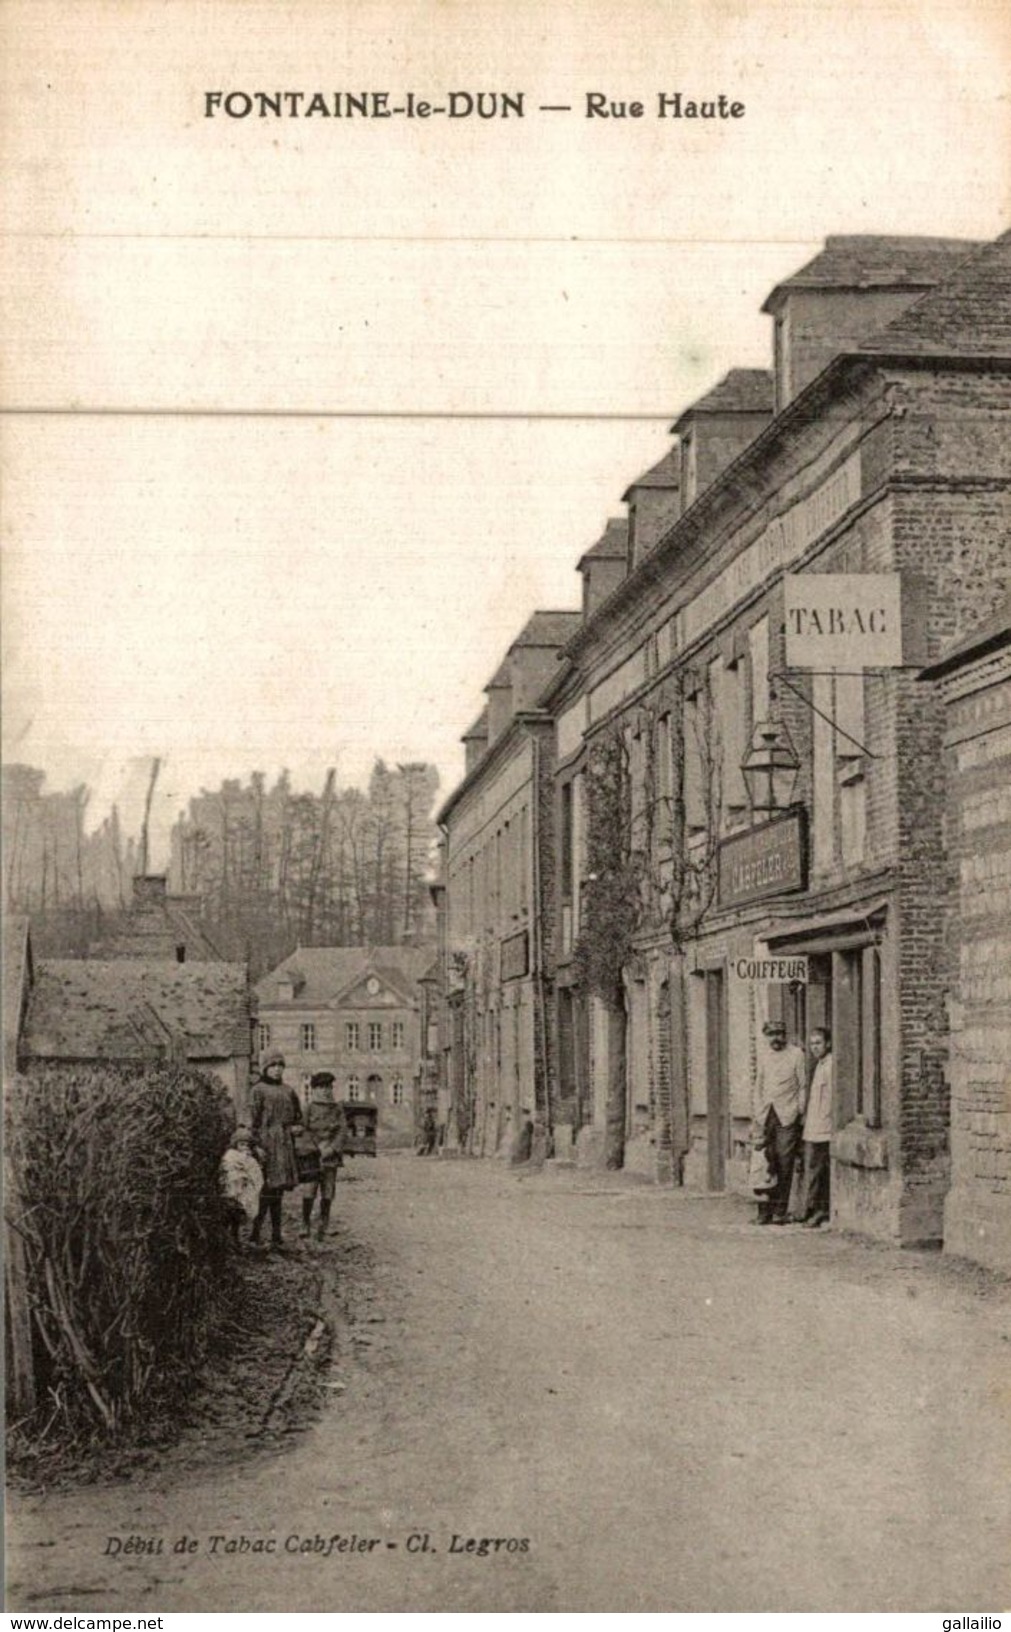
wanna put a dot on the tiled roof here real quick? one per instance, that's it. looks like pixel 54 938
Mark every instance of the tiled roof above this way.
pixel 666 473
pixel 989 636
pixel 872 261
pixel 154 928
pixel 132 1008
pixel 478 732
pixel 612 544
pixel 742 391
pixel 327 970
pixel 969 314
pixel 548 629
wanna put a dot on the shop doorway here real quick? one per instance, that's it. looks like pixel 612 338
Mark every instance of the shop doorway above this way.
pixel 717 1086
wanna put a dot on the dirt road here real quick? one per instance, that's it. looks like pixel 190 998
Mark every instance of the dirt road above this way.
pixel 640 1400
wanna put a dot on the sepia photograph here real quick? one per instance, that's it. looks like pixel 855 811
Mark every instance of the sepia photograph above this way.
pixel 506 807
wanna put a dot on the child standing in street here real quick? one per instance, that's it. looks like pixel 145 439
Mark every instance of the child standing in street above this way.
pixel 240 1179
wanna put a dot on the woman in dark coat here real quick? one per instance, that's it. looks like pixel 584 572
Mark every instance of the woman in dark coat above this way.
pixel 275 1113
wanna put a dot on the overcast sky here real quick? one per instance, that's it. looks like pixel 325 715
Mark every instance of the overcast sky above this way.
pixel 236 588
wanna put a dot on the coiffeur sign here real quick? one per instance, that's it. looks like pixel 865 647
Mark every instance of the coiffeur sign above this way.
pixel 767 860
pixel 843 620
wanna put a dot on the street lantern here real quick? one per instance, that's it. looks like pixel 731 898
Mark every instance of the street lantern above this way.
pixel 770 767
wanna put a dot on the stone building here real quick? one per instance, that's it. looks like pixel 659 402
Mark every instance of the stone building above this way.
pixel 355 1011
pixel 751 666
pixel 887 455
pixel 974 678
pixel 496 871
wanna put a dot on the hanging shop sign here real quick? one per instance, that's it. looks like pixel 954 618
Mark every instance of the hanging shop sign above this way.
pixel 764 861
pixel 770 971
pixel 844 621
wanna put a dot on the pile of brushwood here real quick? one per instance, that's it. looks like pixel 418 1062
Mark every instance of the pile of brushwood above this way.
pixel 112 1189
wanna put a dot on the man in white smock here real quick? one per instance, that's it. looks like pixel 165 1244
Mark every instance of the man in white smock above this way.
pixel 778 1107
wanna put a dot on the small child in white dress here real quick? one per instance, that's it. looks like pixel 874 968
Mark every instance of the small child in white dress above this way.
pixel 240 1179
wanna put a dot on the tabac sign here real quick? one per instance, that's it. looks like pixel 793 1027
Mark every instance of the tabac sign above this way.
pixel 764 861
pixel 849 620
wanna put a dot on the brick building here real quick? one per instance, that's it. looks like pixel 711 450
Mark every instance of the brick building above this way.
pixel 974 679
pixel 496 858
pixel 872 461
pixel 355 1011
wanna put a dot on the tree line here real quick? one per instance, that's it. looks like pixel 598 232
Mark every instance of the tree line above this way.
pixel 271 867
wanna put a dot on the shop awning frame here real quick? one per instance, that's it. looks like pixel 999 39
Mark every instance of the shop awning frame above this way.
pixel 855 924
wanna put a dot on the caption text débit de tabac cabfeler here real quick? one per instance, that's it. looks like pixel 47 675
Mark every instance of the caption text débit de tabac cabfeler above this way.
pixel 486 105
pixel 318 1545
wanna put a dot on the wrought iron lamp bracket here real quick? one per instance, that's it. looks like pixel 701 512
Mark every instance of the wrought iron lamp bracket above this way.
pixel 781 675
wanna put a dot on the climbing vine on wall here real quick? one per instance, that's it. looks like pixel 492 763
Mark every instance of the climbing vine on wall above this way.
pixel 612 885
pixel 647 869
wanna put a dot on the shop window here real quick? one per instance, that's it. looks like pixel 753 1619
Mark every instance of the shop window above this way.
pixel 852 811
pixel 758 666
pixel 732 712
pixel 694 781
pixel 566 840
pixel 823 800
pixel 578 849
pixel 664 787
pixel 637 788
pixel 848 714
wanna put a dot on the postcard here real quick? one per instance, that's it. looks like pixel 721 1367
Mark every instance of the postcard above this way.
pixel 506 729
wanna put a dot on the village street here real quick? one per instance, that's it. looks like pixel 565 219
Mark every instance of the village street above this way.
pixel 650 1404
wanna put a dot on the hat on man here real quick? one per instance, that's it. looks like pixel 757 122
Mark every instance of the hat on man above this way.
pixel 275 1058
pixel 322 1079
pixel 774 1028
